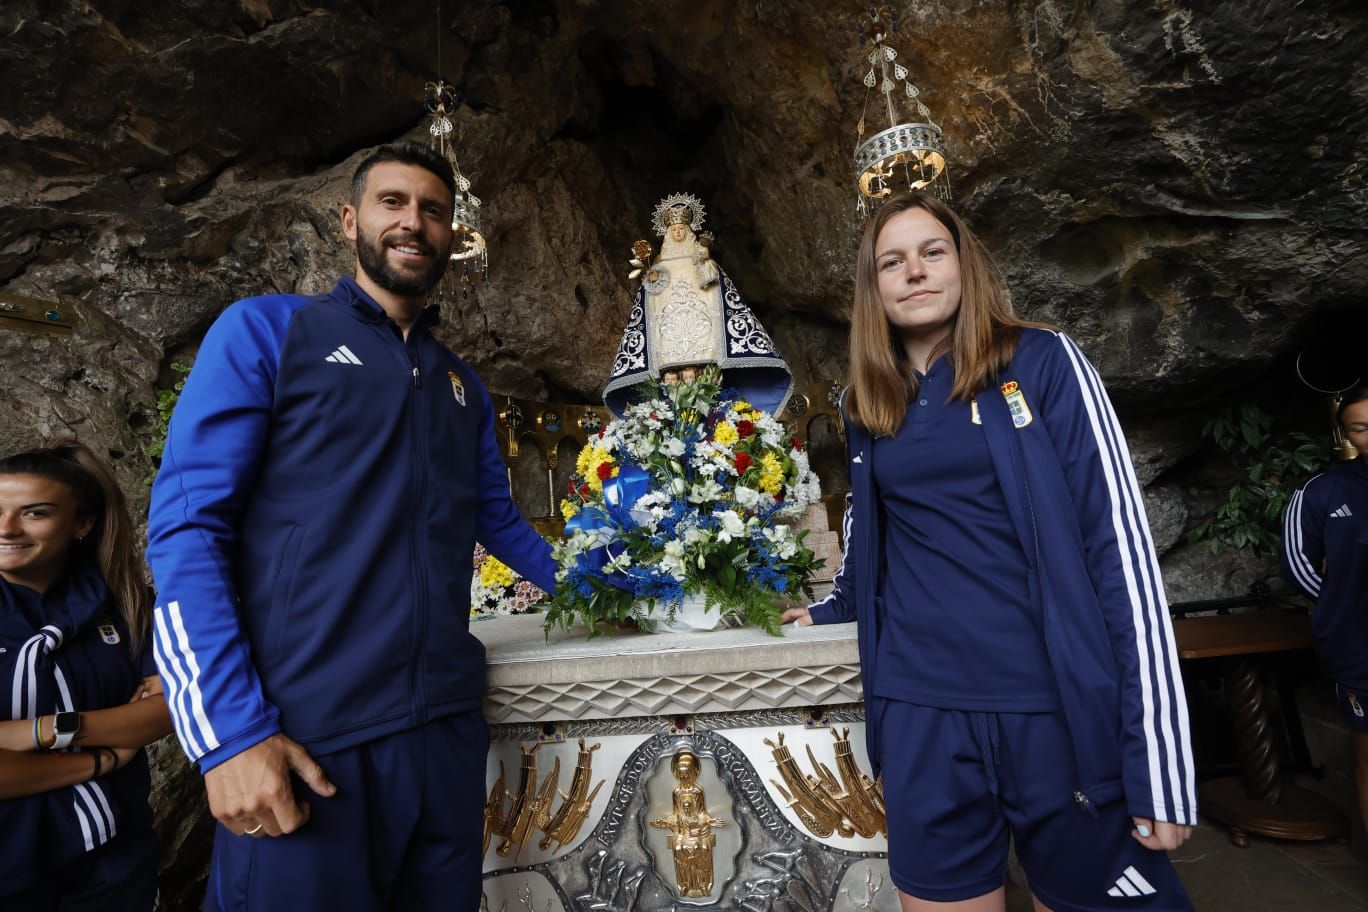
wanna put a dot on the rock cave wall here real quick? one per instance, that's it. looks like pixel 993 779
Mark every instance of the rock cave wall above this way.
pixel 1180 186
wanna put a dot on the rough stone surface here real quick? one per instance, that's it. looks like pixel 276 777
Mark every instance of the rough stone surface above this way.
pixel 1178 185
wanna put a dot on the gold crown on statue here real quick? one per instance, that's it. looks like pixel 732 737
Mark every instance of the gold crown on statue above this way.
pixel 678 209
pixel 909 151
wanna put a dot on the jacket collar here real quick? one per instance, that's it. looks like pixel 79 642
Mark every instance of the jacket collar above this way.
pixel 350 293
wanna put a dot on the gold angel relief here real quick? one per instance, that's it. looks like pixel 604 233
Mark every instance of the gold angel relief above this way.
pixel 848 806
pixel 531 805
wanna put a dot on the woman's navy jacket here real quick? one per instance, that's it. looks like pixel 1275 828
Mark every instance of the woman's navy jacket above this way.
pixel 68 649
pixel 1325 552
pixel 312 526
pixel 1091 569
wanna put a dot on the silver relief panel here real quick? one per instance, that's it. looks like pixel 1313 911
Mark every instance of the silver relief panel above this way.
pixel 761 861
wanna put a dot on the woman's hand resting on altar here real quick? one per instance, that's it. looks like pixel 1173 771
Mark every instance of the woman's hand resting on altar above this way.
pixel 798 613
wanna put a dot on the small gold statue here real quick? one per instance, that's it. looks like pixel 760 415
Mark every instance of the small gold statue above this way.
pixel 691 838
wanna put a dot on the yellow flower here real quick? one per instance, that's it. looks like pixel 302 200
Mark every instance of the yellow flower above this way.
pixel 495 574
pixel 755 414
pixel 771 474
pixel 568 510
pixel 725 434
pixel 741 406
pixel 587 466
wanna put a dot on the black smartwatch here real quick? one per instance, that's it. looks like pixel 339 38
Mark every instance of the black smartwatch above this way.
pixel 65 725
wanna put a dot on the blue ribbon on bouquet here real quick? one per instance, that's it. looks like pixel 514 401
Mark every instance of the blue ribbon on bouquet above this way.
pixel 619 495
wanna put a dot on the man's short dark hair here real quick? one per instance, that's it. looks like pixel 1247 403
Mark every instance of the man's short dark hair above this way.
pixel 407 153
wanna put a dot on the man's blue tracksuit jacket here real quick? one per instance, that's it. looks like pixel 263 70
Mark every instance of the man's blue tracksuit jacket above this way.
pixel 322 488
pixel 1091 568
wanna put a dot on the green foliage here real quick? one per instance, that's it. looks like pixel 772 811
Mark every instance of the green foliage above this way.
pixel 1271 464
pixel 166 404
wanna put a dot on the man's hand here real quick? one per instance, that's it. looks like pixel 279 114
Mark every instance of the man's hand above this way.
pixel 797 613
pixel 251 793
pixel 1160 836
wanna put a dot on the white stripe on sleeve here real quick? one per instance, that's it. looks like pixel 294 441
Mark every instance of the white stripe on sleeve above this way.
pixel 1302 569
pixel 196 699
pixel 174 677
pixel 1149 609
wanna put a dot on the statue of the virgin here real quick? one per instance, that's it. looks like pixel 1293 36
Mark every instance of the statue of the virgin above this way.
pixel 687 315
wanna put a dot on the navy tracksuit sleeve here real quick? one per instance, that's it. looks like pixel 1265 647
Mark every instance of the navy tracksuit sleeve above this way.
pixel 499 525
pixel 839 606
pixel 1303 547
pixel 1156 750
pixel 213 447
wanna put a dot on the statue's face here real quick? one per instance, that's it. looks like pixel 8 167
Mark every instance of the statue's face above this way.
pixel 679 231
pixel 684 766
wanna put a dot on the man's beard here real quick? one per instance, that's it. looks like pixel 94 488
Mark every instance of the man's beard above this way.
pixel 370 252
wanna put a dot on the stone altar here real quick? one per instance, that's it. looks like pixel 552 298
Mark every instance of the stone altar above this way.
pixel 779 778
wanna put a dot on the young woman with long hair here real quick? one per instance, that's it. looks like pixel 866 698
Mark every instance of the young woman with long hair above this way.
pixel 84 695
pixel 1017 655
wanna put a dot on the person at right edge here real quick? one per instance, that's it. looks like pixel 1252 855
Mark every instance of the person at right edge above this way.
pixel 1016 650
pixel 1325 553
pixel 327 472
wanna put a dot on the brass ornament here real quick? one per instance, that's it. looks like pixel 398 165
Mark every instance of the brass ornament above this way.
pixel 850 806
pixel 691 840
pixel 531 804
pixel 575 804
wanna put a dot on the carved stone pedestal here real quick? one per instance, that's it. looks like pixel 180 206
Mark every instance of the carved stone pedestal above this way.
pixel 652 773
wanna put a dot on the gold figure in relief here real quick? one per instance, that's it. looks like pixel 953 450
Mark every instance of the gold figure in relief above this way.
pixel 854 805
pixel 575 804
pixel 691 838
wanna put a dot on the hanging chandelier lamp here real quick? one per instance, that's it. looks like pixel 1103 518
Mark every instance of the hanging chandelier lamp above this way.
pixel 909 152
pixel 440 100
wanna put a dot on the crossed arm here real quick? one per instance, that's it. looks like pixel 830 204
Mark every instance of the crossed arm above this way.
pixel 109 737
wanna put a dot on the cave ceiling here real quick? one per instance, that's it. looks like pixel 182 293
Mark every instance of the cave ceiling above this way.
pixel 1179 185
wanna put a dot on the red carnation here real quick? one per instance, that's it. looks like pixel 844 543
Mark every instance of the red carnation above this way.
pixel 797 444
pixel 602 431
pixel 745 428
pixel 570 486
pixel 583 490
pixel 605 471
pixel 743 462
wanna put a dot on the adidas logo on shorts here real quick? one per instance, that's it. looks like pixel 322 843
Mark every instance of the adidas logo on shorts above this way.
pixel 1131 883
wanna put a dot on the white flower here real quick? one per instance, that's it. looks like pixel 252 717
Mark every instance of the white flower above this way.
pixel 705 491
pixel 746 497
pixel 781 541
pixel 732 526
pixel 672 447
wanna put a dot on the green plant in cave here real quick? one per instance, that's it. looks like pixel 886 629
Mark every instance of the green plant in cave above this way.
pixel 1271 463
pixel 166 404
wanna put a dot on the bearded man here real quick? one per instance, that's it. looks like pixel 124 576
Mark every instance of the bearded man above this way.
pixel 327 472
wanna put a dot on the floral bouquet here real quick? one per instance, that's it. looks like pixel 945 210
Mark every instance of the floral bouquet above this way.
pixel 679 502
pixel 496 590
